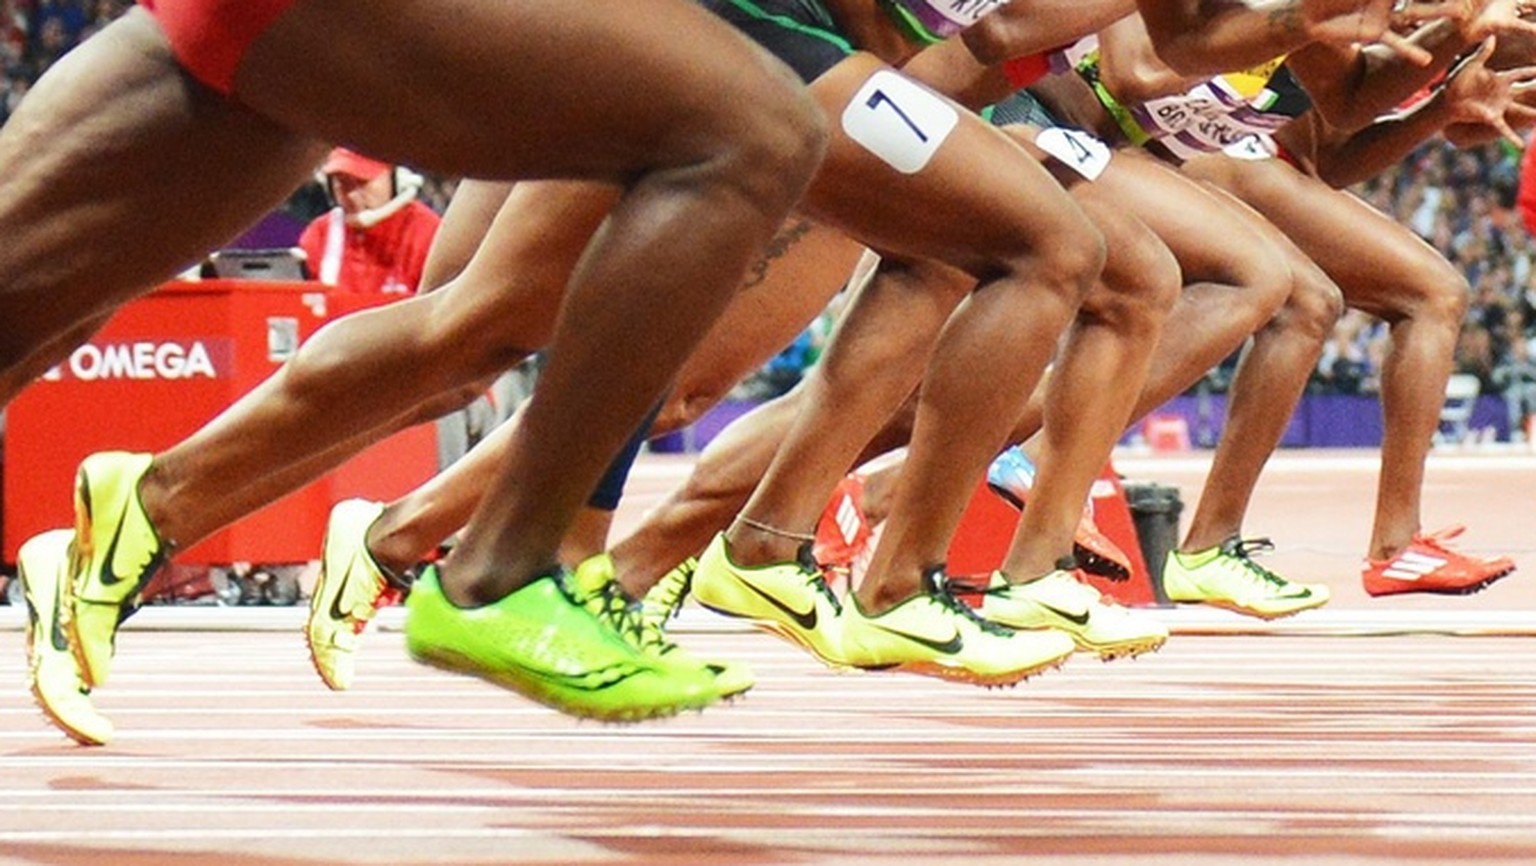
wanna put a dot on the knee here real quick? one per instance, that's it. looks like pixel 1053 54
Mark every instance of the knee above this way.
pixel 1142 281
pixel 1313 307
pixel 1268 278
pixel 320 359
pixel 1068 264
pixel 776 141
pixel 1442 297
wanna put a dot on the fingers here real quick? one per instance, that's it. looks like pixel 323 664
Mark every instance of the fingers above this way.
pixel 1521 77
pixel 1507 132
pixel 1422 12
pixel 1405 49
pixel 1521 116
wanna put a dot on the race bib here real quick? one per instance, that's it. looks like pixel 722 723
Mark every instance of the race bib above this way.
pixel 945 18
pixel 899 121
pixel 1078 151
pixel 1254 147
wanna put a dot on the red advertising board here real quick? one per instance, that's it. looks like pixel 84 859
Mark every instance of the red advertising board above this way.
pixel 160 369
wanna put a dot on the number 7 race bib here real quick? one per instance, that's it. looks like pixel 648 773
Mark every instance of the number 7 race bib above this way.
pixel 899 121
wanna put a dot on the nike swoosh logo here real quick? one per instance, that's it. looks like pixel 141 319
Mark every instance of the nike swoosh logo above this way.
pixel 56 631
pixel 804 619
pixel 948 647
pixel 336 612
pixel 108 575
pixel 1075 618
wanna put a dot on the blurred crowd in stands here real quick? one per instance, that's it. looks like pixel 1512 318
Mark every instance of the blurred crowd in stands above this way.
pixel 1463 202
pixel 35 33
pixel 1460 201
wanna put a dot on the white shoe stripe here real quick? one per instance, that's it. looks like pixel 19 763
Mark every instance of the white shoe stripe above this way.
pixel 848 520
pixel 1409 557
pixel 1411 565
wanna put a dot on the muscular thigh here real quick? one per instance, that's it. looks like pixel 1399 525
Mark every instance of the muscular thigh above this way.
pixel 535 88
pixel 1137 260
pixel 1377 263
pixel 1213 236
pixel 117 171
pixel 512 288
pixel 910 172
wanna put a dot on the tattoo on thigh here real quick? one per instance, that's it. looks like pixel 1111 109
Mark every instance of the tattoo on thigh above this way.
pixel 776 249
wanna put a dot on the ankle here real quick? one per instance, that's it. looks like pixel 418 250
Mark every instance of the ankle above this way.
pixel 751 542
pixel 156 496
pixel 393 549
pixel 1203 541
pixel 876 595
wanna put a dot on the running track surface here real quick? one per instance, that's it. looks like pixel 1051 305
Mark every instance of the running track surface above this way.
pixel 1374 731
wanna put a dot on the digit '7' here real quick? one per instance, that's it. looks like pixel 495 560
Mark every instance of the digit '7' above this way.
pixel 879 96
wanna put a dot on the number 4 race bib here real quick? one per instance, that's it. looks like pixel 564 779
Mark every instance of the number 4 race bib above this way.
pixel 1078 151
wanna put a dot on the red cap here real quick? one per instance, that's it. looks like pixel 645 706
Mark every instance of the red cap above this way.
pixel 343 161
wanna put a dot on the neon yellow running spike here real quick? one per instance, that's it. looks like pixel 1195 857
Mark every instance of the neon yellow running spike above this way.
pixel 1226 576
pixel 42 566
pixel 347 593
pixel 935 634
pixel 789 599
pixel 116 552
pixel 601 595
pixel 541 643
pixel 1061 600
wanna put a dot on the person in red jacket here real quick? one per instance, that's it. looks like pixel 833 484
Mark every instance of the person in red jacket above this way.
pixel 375 239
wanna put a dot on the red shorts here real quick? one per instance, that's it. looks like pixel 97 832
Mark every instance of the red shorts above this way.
pixel 210 37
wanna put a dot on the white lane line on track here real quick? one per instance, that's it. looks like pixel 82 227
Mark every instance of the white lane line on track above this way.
pixel 1186 759
pixel 1045 823
pixel 1514 714
pixel 331 797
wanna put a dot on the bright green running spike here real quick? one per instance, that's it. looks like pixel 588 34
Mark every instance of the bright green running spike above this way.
pixel 541 643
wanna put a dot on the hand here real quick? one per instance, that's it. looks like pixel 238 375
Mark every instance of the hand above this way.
pixel 1345 22
pixel 1478 96
pixel 1407 15
pixel 1355 22
pixel 1492 17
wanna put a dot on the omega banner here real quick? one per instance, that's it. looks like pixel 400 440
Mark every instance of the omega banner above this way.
pixel 144 360
pixel 162 368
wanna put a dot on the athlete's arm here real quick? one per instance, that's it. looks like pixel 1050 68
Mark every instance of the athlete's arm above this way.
pixel 971 69
pixel 1131 66
pixel 1474 95
pixel 1200 37
pixel 1351 86
pixel 1031 26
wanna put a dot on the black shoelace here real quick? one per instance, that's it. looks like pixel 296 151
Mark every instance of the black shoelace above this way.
pixel 1243 550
